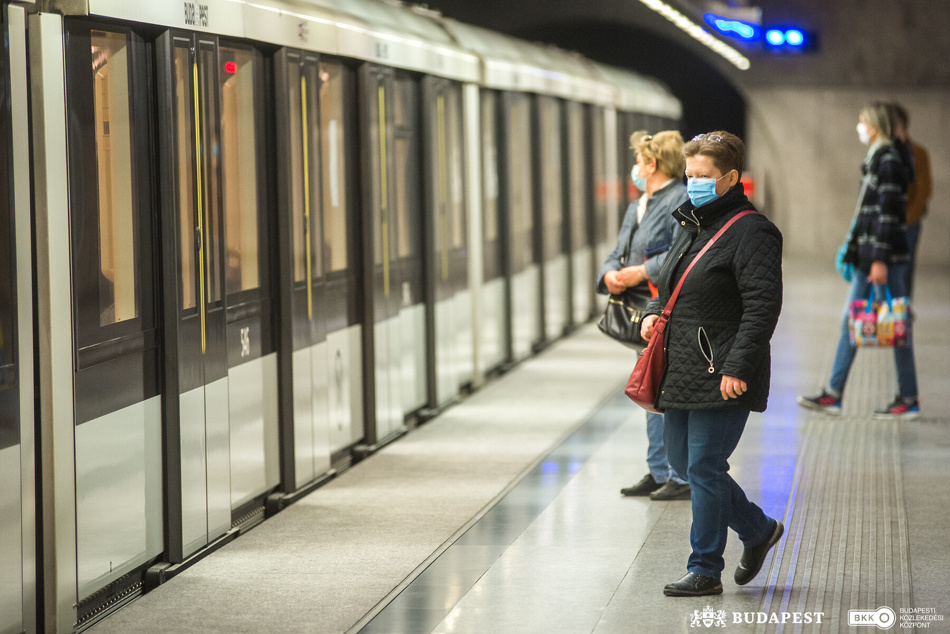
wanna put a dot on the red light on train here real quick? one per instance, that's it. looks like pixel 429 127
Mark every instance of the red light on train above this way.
pixel 230 68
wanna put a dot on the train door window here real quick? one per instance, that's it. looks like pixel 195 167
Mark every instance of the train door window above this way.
pixel 520 195
pixel 117 253
pixel 110 195
pixel 239 162
pixel 551 192
pixel 453 115
pixel 214 239
pixel 7 254
pixel 577 166
pixel 333 87
pixel 404 114
pixel 184 108
pixel 492 256
pixel 599 167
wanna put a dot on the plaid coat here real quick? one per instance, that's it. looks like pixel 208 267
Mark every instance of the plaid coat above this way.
pixel 879 231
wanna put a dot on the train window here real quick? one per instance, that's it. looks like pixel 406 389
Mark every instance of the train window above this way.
pixel 577 167
pixel 239 162
pixel 210 182
pixel 489 168
pixel 7 301
pixel 117 255
pixel 312 164
pixel 404 99
pixel 520 195
pixel 551 200
pixel 295 83
pixel 304 144
pixel 453 113
pixel 333 87
pixel 184 115
pixel 599 166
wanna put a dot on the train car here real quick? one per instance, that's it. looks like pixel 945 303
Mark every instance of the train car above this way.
pixel 17 430
pixel 268 236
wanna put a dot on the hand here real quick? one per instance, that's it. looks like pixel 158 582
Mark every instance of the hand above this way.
pixel 614 283
pixel 878 275
pixel 732 387
pixel 646 326
pixel 633 275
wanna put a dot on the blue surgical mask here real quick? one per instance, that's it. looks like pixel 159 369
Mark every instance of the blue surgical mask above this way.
pixel 637 179
pixel 702 190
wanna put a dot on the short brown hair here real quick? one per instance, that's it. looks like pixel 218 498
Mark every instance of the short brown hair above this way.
pixel 726 150
pixel 666 147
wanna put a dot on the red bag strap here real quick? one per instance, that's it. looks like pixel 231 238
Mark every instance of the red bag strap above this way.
pixel 676 293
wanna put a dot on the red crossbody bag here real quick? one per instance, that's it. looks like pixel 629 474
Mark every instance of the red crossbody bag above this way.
pixel 643 386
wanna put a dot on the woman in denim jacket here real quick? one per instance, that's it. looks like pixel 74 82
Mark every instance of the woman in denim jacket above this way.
pixel 649 228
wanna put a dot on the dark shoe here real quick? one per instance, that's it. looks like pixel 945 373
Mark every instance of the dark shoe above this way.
pixel 671 491
pixel 753 558
pixel 646 486
pixel 693 585
pixel 900 409
pixel 824 402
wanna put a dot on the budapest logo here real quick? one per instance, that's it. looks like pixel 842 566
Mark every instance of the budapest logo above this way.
pixel 708 618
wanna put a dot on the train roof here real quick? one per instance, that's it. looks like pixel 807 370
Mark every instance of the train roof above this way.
pixel 392 34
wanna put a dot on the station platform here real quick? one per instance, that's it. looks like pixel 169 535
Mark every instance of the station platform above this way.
pixel 503 514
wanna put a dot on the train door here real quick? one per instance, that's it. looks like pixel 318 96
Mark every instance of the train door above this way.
pixel 382 351
pixel 340 236
pixel 459 256
pixel 549 217
pixel 196 399
pixel 521 257
pixel 17 494
pixel 576 199
pixel 442 196
pixel 409 347
pixel 251 351
pixel 493 330
pixel 304 370
pixel 115 357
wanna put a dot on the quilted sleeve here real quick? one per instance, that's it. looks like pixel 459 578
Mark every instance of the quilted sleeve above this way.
pixel 758 269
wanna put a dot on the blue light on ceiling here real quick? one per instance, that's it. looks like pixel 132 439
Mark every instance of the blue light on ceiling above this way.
pixel 794 37
pixel 775 37
pixel 732 28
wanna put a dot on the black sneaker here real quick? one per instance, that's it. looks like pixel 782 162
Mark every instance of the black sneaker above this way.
pixel 646 486
pixel 752 558
pixel 693 585
pixel 671 491
pixel 900 409
pixel 824 402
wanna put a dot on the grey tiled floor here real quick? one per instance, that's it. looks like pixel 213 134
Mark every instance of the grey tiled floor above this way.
pixel 421 537
pixel 865 503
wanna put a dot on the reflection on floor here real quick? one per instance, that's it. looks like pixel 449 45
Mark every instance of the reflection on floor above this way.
pixel 503 514
pixel 563 553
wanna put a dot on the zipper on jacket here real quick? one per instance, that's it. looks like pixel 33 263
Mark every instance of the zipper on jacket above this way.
pixel 700 336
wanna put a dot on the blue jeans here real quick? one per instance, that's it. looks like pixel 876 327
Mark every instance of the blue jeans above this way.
pixel 699 443
pixel 913 237
pixel 657 461
pixel 903 357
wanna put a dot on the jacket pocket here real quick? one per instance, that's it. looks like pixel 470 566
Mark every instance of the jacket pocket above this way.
pixel 706 349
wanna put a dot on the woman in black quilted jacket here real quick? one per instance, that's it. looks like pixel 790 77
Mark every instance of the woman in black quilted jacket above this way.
pixel 717 356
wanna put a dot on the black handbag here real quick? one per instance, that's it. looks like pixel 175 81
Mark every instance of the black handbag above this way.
pixel 621 320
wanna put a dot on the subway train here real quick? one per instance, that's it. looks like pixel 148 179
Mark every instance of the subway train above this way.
pixel 247 243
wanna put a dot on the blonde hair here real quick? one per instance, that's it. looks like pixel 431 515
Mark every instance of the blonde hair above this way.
pixel 877 115
pixel 726 150
pixel 666 147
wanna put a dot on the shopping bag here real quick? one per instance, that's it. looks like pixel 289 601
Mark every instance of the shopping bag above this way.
pixel 879 324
